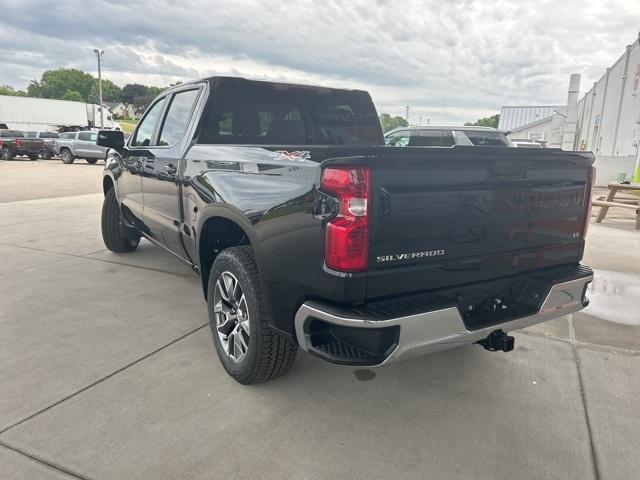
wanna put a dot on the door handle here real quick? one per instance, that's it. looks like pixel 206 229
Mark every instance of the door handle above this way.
pixel 170 169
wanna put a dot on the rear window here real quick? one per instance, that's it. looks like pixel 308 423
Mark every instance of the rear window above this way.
pixel 486 138
pixel 30 134
pixel 273 114
pixel 49 135
pixel 11 134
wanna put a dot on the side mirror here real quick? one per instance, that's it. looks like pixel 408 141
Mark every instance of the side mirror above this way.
pixel 111 139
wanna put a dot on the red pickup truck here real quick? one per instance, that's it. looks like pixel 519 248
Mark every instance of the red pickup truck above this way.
pixel 13 143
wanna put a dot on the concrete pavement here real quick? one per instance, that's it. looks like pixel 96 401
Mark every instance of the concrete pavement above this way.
pixel 108 371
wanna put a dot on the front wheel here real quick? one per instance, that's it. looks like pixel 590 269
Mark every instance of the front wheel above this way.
pixel 46 155
pixel 6 153
pixel 33 157
pixel 66 156
pixel 239 318
pixel 111 230
pixel 92 161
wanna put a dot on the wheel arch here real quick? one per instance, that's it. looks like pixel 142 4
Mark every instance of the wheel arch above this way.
pixel 223 227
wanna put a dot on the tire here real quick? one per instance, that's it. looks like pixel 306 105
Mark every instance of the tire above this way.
pixel 267 355
pixel 66 156
pixel 111 230
pixel 6 153
pixel 46 155
pixel 33 157
pixel 92 161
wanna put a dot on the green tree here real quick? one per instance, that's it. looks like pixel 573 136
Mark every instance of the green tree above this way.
pixel 56 83
pixel 73 96
pixel 491 121
pixel 110 91
pixel 9 90
pixel 132 90
pixel 387 122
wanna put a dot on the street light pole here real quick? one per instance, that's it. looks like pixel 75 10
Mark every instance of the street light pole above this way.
pixel 99 54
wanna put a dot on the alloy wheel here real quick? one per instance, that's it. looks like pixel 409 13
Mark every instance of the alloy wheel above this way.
pixel 231 316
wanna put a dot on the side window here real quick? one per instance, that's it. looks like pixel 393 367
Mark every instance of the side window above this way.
pixel 177 118
pixel 398 139
pixel 86 136
pixel 93 137
pixel 434 138
pixel 142 137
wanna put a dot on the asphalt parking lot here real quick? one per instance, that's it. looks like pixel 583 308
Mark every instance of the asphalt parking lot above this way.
pixel 108 372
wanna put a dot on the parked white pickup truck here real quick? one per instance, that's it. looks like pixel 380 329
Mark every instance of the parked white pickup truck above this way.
pixel 72 145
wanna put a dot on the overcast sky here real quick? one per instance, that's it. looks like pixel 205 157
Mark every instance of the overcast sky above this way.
pixel 451 61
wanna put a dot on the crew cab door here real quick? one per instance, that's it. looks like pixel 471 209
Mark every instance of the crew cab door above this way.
pixel 134 158
pixel 83 144
pixel 160 180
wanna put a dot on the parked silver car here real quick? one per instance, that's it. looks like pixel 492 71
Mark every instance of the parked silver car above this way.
pixel 446 136
pixel 72 145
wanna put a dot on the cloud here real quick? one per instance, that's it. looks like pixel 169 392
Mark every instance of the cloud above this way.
pixel 450 61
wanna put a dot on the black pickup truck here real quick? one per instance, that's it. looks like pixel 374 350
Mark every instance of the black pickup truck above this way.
pixel 308 232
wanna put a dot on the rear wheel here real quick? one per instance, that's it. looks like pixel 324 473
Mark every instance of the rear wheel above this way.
pixel 239 318
pixel 6 153
pixel 112 234
pixel 92 161
pixel 66 156
pixel 33 157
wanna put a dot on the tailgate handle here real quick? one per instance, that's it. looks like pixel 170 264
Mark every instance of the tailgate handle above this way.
pixel 468 235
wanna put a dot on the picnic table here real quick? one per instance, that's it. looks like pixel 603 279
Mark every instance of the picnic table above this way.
pixel 610 200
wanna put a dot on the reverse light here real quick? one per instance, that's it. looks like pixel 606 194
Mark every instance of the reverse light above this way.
pixel 347 234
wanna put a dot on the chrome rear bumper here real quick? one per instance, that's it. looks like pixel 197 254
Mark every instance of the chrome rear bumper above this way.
pixel 440 329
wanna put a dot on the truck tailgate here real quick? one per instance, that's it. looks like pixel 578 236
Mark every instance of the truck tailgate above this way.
pixel 444 217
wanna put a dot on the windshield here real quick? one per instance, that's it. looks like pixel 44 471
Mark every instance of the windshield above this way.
pixel 30 134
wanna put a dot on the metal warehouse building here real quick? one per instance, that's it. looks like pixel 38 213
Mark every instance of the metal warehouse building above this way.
pixel 606 120
pixel 609 118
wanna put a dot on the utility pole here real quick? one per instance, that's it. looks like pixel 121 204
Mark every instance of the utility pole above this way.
pixel 407 116
pixel 99 54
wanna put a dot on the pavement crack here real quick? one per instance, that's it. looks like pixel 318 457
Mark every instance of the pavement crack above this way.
pixel 106 377
pixel 594 454
pixel 43 461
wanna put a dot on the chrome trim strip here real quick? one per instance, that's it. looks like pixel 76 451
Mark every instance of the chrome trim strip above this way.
pixel 442 329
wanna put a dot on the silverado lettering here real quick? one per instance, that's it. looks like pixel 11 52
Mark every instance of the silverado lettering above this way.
pixel 409 256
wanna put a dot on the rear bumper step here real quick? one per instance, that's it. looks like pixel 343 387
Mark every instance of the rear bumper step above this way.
pixel 352 337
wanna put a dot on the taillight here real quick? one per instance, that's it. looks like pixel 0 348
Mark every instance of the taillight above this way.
pixel 591 180
pixel 346 236
pixel 18 142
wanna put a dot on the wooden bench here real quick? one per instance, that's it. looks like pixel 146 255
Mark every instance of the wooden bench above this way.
pixel 609 202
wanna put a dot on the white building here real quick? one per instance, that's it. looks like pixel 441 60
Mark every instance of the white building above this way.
pixel 609 118
pixel 539 123
pixel 606 120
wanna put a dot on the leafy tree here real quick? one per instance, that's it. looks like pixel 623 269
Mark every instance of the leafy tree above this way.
pixel 56 83
pixel 9 90
pixel 110 91
pixel 491 121
pixel 389 123
pixel 73 96
pixel 132 90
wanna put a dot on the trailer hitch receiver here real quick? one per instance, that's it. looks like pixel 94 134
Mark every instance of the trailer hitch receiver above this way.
pixel 498 340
